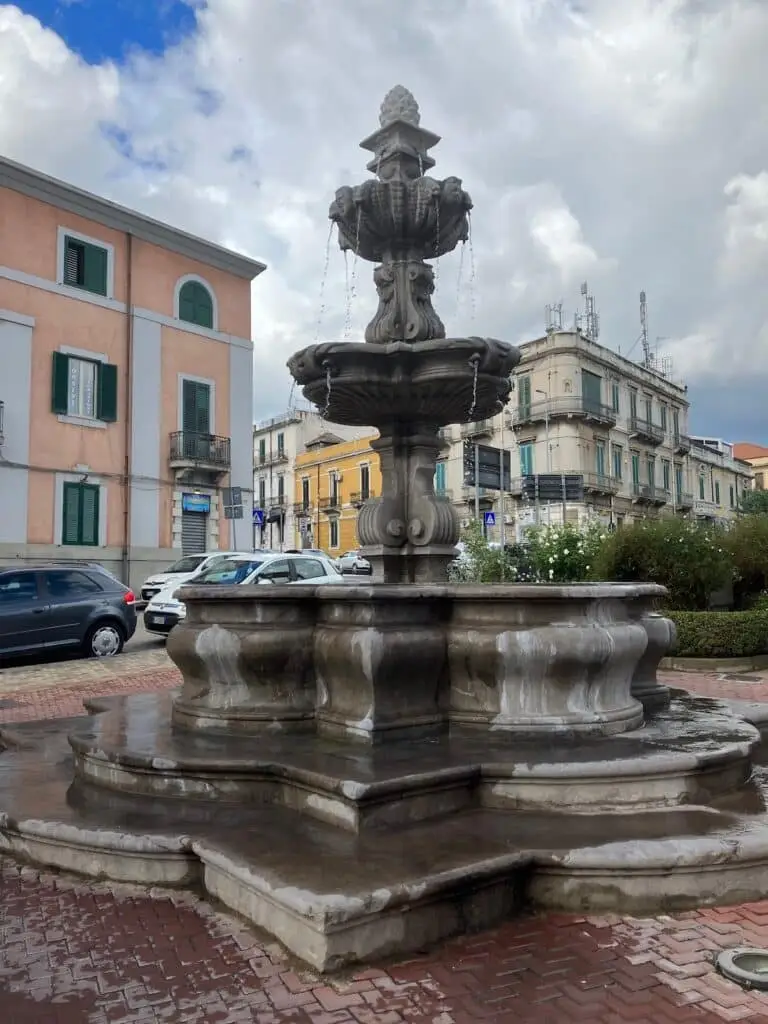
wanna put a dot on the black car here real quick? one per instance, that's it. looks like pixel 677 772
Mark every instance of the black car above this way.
pixel 64 607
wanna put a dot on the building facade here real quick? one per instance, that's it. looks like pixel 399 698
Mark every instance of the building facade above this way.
pixel 580 409
pixel 126 383
pixel 756 455
pixel 277 443
pixel 332 480
pixel 717 479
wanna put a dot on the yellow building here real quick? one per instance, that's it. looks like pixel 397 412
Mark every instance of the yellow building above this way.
pixel 333 479
pixel 757 456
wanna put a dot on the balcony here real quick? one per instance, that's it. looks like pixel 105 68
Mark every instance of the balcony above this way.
pixel 330 504
pixel 599 483
pixel 646 431
pixel 705 509
pixel 648 494
pixel 302 508
pixel 484 493
pixel 445 433
pixel 190 450
pixel 684 500
pixel 272 458
pixel 476 431
pixel 358 498
pixel 569 406
pixel 681 443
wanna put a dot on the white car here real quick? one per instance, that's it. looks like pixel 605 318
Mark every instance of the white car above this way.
pixel 353 562
pixel 182 570
pixel 165 609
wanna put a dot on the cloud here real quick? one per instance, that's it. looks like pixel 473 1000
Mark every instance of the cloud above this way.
pixel 619 143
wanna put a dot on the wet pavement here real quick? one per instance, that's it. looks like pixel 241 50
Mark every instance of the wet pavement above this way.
pixel 74 952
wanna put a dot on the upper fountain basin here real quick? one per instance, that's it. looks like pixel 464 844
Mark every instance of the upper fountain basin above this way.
pixel 418 219
pixel 445 381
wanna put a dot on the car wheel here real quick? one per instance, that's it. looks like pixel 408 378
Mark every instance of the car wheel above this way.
pixel 104 640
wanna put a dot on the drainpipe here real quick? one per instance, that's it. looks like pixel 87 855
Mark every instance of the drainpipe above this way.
pixel 316 538
pixel 126 561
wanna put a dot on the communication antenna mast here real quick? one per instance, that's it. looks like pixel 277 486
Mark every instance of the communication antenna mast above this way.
pixel 553 317
pixel 588 322
pixel 648 357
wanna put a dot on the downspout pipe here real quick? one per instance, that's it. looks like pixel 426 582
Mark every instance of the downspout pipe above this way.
pixel 126 559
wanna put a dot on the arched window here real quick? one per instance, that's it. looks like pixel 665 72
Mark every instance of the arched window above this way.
pixel 196 304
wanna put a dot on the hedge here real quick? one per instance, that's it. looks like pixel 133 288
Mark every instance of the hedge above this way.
pixel 720 634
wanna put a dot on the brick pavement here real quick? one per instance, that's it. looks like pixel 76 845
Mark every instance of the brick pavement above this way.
pixel 75 952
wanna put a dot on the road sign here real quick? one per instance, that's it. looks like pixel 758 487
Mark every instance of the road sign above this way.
pixel 553 487
pixel 232 499
pixel 488 466
pixel 258 516
pixel 489 518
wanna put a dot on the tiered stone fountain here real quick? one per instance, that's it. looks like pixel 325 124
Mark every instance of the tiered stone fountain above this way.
pixel 363 770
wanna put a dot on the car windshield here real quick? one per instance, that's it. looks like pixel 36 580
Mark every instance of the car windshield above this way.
pixel 187 564
pixel 228 570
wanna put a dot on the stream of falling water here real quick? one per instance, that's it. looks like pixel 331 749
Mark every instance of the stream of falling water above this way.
pixel 471 270
pixel 321 297
pixel 347 298
pixel 460 274
pixel 326 408
pixel 475 361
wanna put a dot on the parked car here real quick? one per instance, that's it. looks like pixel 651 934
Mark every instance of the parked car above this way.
pixel 166 609
pixel 353 562
pixel 64 607
pixel 183 569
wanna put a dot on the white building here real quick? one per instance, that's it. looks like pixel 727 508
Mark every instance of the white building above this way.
pixel 276 443
pixel 717 479
pixel 580 409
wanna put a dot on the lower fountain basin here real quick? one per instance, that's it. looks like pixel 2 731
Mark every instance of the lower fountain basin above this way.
pixel 378 663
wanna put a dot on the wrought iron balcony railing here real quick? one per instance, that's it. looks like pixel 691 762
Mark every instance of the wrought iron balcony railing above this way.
pixel 200 449
pixel 645 430
pixel 564 405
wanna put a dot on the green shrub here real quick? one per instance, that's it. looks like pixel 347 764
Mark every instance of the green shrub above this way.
pixel 565 553
pixel 691 560
pixel 747 545
pixel 720 634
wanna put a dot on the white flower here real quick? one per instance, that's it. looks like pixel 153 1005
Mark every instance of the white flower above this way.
pixel 551 573
pixel 566 551
pixel 587 567
pixel 551 560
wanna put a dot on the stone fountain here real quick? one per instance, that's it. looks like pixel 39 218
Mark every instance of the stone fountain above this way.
pixel 365 770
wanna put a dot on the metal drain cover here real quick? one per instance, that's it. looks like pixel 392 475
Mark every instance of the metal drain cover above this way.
pixel 745 965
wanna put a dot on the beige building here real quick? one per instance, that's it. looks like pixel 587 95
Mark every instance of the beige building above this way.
pixel 757 457
pixel 580 409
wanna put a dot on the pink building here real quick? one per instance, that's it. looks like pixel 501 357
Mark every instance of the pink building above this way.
pixel 126 381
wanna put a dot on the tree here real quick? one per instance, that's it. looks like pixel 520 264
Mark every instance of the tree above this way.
pixel 754 503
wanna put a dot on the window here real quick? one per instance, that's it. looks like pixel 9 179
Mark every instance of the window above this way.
pixel 633 403
pixel 615 397
pixel 648 404
pixel 262 450
pixel 666 470
pixel 591 390
pixel 636 469
pixel 731 496
pixel 305 499
pixel 526 458
pixel 195 407
pixel 80 515
pixel 308 568
pixel 701 486
pixel 281 444
pixel 679 482
pixel 524 394
pixel 663 414
pixel 676 423
pixel 70 584
pixel 196 304
pixel 717 492
pixel 333 480
pixel 85 266
pixel 262 492
pixel 333 527
pixel 281 489
pixel 85 388
pixel 650 468
pixel 618 457
pixel 17 588
pixel 759 482
pixel 440 478
pixel 276 572
pixel 600 458
pixel 365 482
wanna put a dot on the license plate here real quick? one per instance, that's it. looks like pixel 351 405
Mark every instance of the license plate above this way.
pixel 157 620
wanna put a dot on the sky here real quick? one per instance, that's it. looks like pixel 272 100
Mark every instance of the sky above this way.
pixel 622 144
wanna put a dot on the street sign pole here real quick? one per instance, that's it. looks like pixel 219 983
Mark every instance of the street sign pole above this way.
pixel 477 482
pixel 502 503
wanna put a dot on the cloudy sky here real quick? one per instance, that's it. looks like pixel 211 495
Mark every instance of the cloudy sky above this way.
pixel 622 143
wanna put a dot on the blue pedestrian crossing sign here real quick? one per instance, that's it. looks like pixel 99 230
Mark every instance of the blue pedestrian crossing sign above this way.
pixel 258 516
pixel 489 518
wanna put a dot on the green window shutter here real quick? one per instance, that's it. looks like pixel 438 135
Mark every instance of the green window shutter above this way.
pixel 60 384
pixel 196 304
pixel 70 519
pixel 74 259
pixel 107 393
pixel 89 515
pixel 591 390
pixel 196 407
pixel 95 269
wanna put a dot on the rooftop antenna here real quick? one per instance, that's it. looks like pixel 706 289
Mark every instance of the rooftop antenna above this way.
pixel 588 322
pixel 648 356
pixel 553 317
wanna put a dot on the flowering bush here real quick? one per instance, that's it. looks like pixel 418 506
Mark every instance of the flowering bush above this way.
pixel 565 554
pixel 690 559
pixel 747 545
